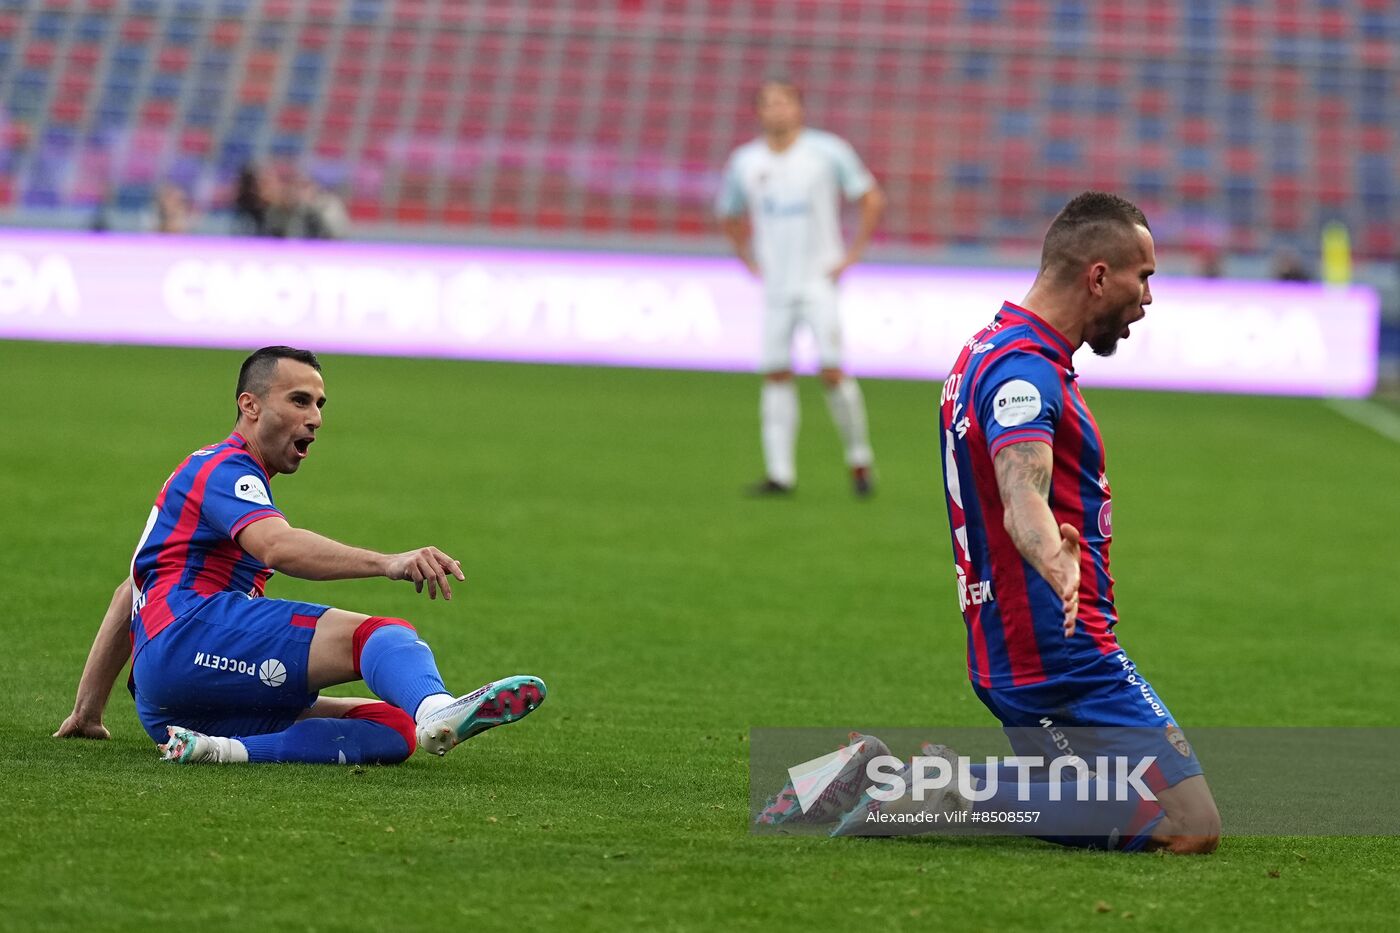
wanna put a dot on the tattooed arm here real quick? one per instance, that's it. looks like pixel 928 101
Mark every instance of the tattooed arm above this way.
pixel 1023 478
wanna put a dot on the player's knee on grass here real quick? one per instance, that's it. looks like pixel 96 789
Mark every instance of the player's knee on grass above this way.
pixel 1192 823
pixel 831 378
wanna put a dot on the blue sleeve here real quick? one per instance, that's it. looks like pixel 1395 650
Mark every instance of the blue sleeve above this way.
pixel 1018 397
pixel 235 496
pixel 731 201
pixel 851 172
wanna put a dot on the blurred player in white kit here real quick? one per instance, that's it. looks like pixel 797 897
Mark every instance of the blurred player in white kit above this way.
pixel 780 206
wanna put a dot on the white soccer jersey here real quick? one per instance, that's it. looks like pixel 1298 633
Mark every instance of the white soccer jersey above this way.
pixel 794 202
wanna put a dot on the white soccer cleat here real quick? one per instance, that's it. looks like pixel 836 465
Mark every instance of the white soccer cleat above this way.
pixel 187 746
pixel 836 797
pixel 906 816
pixel 496 704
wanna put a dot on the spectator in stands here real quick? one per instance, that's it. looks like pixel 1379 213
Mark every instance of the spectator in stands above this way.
pixel 249 202
pixel 260 205
pixel 1212 264
pixel 172 209
pixel 320 213
pixel 1289 266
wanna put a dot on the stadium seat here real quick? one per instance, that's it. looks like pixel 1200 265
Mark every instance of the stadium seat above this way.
pixel 556 102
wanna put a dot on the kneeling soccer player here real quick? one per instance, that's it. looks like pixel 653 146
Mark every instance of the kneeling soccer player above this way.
pixel 1031 515
pixel 222 674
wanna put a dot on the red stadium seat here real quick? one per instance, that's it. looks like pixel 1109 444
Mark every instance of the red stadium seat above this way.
pixel 39 55
pixel 226 32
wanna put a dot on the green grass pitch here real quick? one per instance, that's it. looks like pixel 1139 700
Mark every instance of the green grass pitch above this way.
pixel 609 551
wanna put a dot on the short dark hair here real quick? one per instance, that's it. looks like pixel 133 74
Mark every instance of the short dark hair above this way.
pixel 781 81
pixel 256 372
pixel 1093 225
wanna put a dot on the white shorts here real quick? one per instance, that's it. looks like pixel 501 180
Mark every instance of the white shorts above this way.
pixel 815 306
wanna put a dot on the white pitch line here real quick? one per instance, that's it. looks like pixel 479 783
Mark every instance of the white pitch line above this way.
pixel 1367 413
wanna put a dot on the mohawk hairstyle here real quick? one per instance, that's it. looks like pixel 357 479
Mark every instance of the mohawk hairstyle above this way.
pixel 1094 225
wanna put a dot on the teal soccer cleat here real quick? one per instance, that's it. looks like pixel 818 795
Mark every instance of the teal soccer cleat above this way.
pixel 496 704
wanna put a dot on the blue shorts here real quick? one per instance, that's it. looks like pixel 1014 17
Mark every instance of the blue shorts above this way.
pixel 1105 708
pixel 235 666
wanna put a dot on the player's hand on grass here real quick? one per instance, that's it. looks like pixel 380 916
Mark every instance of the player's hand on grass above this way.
pixel 80 727
pixel 428 566
pixel 1064 574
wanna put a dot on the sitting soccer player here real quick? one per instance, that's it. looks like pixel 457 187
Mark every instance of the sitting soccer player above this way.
pixel 220 673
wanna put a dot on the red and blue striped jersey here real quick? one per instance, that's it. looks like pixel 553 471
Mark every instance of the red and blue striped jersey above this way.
pixel 189 550
pixel 1014 382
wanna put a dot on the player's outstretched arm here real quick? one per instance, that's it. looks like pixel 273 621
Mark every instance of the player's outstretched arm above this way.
pixel 301 553
pixel 1023 478
pixel 109 653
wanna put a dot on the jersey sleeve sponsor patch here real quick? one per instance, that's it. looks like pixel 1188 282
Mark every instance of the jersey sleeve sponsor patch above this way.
pixel 1016 402
pixel 1018 397
pixel 234 496
pixel 250 488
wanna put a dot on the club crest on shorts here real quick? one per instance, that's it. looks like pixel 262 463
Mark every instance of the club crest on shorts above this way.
pixel 1178 740
pixel 272 672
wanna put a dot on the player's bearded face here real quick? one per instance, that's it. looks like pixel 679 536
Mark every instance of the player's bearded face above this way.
pixel 1111 329
pixel 1126 296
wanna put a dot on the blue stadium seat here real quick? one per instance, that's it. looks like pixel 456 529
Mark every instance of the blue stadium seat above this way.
pixel 287 145
pixel 49 25
pixel 41 193
pixel 58 140
pixel 93 27
pixel 1241 193
pixel 1062 152
pixel 366 11
pixel 247 120
pixel 166 86
pixel 1148 184
pixel 1382 25
pixel 214 64
pixel 1203 21
pixel 27 93
pixel 127 59
pixel 978 66
pixel 1016 123
pixel 307 64
pixel 134 196
pixel 270 34
pixel 182 29
pixel 113 114
pixel 1151 128
pixel 968 175
pixel 234 154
